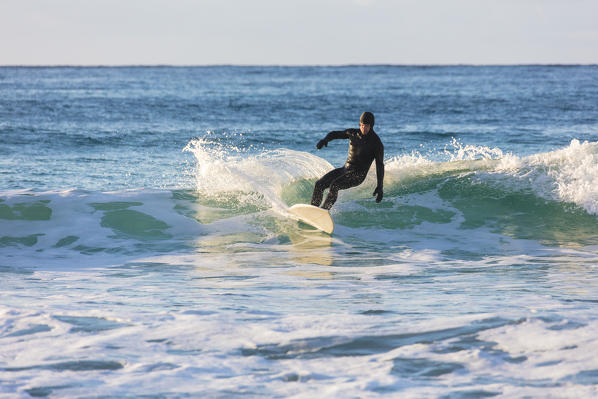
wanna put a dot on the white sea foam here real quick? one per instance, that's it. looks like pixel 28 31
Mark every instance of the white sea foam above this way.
pixel 574 172
pixel 553 351
pixel 75 233
pixel 198 351
pixel 224 169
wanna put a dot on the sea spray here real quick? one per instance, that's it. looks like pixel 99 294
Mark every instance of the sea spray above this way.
pixel 224 170
pixel 569 174
pixel 458 151
pixel 574 170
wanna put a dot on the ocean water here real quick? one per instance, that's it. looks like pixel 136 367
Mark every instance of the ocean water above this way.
pixel 146 249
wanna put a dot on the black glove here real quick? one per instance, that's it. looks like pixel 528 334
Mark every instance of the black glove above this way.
pixel 321 144
pixel 378 191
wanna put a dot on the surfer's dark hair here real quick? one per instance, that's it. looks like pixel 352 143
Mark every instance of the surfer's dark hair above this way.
pixel 367 118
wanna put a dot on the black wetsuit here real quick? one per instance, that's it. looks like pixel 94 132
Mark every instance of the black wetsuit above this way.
pixel 363 149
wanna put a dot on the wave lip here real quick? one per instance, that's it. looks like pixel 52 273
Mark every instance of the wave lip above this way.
pixel 571 174
pixel 222 169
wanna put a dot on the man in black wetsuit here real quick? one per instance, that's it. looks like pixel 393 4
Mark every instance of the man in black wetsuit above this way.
pixel 364 147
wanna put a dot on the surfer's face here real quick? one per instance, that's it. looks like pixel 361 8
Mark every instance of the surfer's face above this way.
pixel 365 129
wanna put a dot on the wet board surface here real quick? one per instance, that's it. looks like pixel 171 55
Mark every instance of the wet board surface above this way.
pixel 314 216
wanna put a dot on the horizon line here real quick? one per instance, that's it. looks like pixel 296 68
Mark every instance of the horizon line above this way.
pixel 162 65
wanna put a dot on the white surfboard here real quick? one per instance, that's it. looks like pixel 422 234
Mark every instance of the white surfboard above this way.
pixel 314 216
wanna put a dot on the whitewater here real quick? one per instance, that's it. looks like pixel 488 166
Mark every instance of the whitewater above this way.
pixel 146 249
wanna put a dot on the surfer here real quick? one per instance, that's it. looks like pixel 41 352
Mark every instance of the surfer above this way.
pixel 364 147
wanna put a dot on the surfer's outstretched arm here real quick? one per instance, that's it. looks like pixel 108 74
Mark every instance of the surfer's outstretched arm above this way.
pixel 334 135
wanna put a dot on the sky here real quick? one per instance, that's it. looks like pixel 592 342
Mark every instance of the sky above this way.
pixel 297 32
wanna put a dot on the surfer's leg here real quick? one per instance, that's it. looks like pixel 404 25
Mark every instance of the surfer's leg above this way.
pixel 346 180
pixel 324 183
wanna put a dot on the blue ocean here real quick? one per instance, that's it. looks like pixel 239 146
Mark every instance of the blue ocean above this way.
pixel 147 251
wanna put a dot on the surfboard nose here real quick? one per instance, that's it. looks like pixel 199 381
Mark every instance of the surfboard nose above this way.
pixel 314 216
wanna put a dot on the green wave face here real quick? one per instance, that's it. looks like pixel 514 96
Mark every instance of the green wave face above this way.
pixel 519 214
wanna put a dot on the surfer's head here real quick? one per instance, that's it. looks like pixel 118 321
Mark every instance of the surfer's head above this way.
pixel 366 122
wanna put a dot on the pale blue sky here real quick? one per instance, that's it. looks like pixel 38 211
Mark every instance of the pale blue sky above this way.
pixel 294 32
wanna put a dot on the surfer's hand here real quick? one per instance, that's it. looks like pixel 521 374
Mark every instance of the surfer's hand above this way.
pixel 378 191
pixel 321 144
